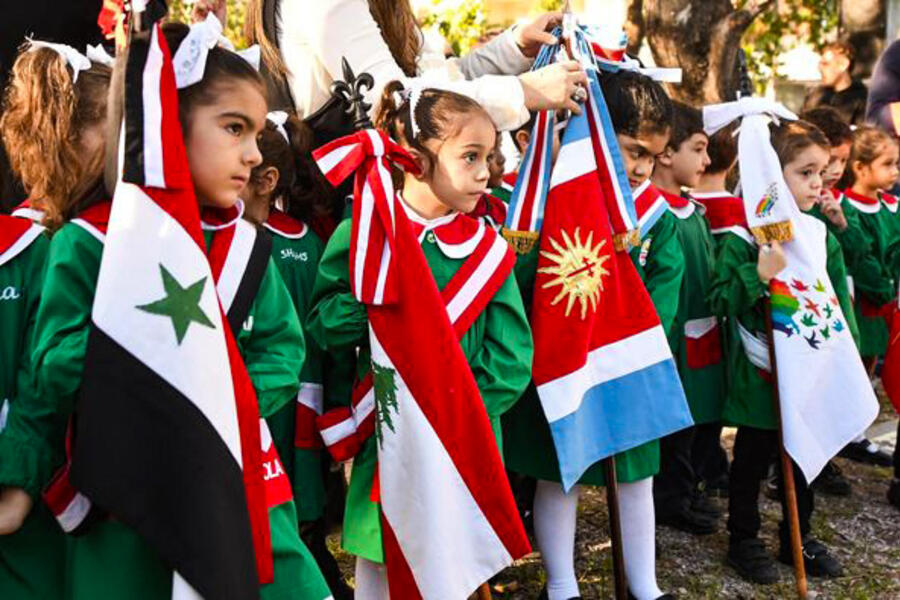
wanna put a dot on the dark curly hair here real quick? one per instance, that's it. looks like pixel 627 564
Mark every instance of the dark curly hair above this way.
pixel 637 104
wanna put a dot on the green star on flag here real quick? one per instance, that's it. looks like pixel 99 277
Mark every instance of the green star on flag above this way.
pixel 180 304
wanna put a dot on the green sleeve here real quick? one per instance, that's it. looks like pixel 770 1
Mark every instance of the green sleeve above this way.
pixel 664 270
pixel 837 273
pixel 735 286
pixel 336 321
pixel 272 344
pixel 525 272
pixel 502 366
pixel 64 315
pixel 869 276
pixel 31 441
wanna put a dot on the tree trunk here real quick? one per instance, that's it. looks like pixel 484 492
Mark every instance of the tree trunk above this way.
pixel 863 21
pixel 703 38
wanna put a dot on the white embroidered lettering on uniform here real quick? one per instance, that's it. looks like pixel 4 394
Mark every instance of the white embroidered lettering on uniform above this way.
pixel 248 324
pixel 645 251
pixel 10 293
pixel 291 253
pixel 273 469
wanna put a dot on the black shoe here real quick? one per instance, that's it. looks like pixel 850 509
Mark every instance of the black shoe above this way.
pixel 689 521
pixel 752 562
pixel 831 481
pixel 816 558
pixel 893 494
pixel 866 452
pixel 700 503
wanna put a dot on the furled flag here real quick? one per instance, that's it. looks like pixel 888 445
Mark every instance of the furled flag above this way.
pixel 826 397
pixel 167 435
pixel 602 365
pixel 449 521
pixel 890 371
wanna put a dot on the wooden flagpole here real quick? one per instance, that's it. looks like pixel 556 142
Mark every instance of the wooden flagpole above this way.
pixel 787 468
pixel 615 528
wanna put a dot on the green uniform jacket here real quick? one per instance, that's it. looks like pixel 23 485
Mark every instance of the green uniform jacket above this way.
pixel 737 293
pixel 296 251
pixel 704 385
pixel 32 560
pixel 110 560
pixel 660 263
pixel 528 446
pixel 497 346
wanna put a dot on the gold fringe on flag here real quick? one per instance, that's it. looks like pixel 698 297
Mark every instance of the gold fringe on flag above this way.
pixel 521 241
pixel 628 239
pixel 782 231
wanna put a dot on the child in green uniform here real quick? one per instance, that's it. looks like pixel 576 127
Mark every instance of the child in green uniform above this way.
pixel 739 285
pixel 641 113
pixel 281 196
pixel 872 170
pixel 451 137
pixel 695 338
pixel 45 104
pixel 221 116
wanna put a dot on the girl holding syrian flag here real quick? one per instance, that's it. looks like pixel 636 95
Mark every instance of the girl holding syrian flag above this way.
pixel 450 139
pixel 221 110
pixel 744 274
pixel 51 125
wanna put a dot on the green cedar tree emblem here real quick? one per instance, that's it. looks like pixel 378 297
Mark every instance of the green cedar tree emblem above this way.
pixel 180 304
pixel 385 397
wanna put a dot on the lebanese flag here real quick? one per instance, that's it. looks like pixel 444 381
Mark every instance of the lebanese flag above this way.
pixel 167 430
pixel 602 365
pixel 449 520
pixel 825 394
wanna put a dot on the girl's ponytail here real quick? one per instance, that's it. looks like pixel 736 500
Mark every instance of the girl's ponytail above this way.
pixel 45 113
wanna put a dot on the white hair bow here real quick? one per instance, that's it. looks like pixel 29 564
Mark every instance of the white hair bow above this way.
pixel 278 119
pixel 75 59
pixel 189 61
pixel 98 54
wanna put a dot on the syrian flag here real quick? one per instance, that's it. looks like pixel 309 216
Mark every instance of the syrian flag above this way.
pixel 602 365
pixel 449 521
pixel 167 431
pixel 826 397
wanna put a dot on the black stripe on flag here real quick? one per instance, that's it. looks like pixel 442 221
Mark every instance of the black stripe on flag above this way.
pixel 251 280
pixel 148 456
pixel 133 168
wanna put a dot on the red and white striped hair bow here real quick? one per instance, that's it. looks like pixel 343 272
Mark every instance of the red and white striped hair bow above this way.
pixel 369 153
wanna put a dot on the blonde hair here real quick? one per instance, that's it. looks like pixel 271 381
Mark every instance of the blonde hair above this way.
pixel 45 114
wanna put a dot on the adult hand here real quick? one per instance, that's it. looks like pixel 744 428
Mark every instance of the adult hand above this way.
pixel 771 262
pixel 204 7
pixel 832 210
pixel 531 36
pixel 552 87
pixel 15 504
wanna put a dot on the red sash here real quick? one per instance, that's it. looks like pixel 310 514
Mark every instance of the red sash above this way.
pixel 345 429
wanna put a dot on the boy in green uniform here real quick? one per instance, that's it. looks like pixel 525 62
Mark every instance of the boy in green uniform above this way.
pixel 740 282
pixel 641 113
pixel 498 346
pixel 695 337
pixel 110 560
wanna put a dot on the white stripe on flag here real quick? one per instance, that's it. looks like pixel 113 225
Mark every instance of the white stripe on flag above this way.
pixel 334 158
pixel 198 367
pixel 452 552
pixel 338 432
pixel 364 230
pixel 236 262
pixel 575 159
pixel 386 184
pixel 154 173
pixel 74 513
pixel 463 298
pixel 605 363
pixel 311 396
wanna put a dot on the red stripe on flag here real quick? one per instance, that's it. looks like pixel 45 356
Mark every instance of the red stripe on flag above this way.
pixel 534 172
pixel 218 250
pixel 605 172
pixel 890 372
pixel 401 583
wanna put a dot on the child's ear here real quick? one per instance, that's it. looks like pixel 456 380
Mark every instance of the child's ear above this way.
pixel 664 158
pixel 523 138
pixel 268 180
pixel 421 161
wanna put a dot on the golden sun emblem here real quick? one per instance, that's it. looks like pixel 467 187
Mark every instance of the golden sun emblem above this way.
pixel 579 270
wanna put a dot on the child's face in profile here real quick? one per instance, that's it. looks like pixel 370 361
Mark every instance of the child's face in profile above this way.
pixel 639 154
pixel 689 162
pixel 882 172
pixel 461 173
pixel 837 162
pixel 496 165
pixel 803 175
pixel 221 142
